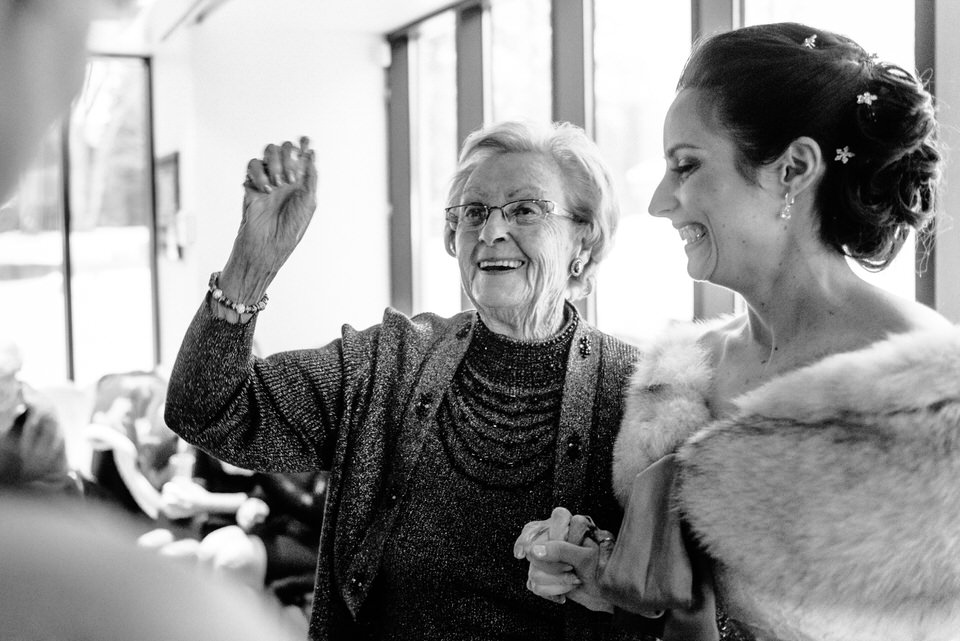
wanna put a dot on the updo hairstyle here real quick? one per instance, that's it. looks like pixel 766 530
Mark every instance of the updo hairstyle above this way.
pixel 767 85
pixel 588 187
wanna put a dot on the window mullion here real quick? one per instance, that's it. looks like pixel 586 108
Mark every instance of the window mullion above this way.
pixel 67 259
pixel 573 96
pixel 712 16
pixel 473 81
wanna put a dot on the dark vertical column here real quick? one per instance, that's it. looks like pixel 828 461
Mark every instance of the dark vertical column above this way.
pixel 398 171
pixel 473 79
pixel 925 54
pixel 67 258
pixel 152 181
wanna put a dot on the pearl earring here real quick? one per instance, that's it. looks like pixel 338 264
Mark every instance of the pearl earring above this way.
pixel 788 201
pixel 576 268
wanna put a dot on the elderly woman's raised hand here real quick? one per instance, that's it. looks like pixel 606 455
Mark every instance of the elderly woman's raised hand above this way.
pixel 564 554
pixel 280 196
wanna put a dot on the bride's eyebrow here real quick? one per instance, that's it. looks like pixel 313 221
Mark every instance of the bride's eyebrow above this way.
pixel 673 151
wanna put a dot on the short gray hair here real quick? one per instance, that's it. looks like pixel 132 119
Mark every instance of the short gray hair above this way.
pixel 587 183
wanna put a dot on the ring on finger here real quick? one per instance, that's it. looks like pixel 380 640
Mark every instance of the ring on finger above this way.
pixel 599 537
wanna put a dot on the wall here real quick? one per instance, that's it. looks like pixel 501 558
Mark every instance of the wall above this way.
pixel 948 100
pixel 226 87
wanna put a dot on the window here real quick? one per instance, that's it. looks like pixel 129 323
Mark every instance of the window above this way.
pixel 520 88
pixel 643 284
pixel 436 280
pixel 508 68
pixel 520 50
pixel 32 266
pixel 80 261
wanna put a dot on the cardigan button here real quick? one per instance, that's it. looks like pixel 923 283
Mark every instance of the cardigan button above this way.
pixel 573 447
pixel 424 403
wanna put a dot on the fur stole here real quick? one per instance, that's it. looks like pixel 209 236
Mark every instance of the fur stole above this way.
pixel 831 499
pixel 665 401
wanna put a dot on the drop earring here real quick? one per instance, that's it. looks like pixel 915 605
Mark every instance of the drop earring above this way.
pixel 786 210
pixel 576 268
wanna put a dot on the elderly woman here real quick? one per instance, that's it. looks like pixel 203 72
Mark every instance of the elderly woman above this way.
pixel 33 449
pixel 442 435
pixel 816 435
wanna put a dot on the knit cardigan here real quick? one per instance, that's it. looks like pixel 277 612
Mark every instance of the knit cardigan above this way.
pixel 830 498
pixel 360 407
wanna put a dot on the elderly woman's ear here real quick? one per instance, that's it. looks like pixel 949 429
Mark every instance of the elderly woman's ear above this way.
pixel 450 241
pixel 578 265
pixel 580 277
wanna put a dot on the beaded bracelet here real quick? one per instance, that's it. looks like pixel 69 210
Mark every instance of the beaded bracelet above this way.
pixel 239 308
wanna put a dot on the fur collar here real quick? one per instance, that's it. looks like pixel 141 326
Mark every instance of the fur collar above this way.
pixel 834 491
pixel 665 401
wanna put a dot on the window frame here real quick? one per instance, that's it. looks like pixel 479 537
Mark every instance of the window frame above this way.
pixel 572 70
pixel 66 216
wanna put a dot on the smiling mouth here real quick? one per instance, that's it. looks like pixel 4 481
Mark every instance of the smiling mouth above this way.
pixel 692 233
pixel 499 265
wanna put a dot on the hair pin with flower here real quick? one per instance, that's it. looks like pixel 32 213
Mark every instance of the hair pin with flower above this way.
pixel 810 42
pixel 866 98
pixel 844 155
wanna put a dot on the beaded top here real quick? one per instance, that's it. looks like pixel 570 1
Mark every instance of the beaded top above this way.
pixel 498 422
pixel 486 470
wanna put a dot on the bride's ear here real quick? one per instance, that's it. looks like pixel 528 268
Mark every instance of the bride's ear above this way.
pixel 801 165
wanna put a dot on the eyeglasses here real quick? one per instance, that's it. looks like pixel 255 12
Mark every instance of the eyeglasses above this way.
pixel 522 213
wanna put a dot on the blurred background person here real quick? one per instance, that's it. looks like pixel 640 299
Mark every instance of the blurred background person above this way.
pixel 71 569
pixel 41 70
pixel 33 453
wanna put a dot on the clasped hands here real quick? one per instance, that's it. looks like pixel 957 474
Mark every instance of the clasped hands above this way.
pixel 566 552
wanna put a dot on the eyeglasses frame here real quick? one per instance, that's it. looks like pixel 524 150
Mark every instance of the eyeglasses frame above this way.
pixel 553 210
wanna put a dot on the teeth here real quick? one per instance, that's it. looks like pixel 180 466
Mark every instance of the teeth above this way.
pixel 500 264
pixel 692 233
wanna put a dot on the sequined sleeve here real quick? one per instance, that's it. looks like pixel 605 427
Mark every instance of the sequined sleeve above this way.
pixel 275 414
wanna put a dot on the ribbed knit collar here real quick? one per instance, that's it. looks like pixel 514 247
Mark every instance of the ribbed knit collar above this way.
pixel 512 361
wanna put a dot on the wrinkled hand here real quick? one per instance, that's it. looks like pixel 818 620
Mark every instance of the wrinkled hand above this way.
pixel 252 512
pixel 183 498
pixel 280 196
pixel 564 555
pixel 550 581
